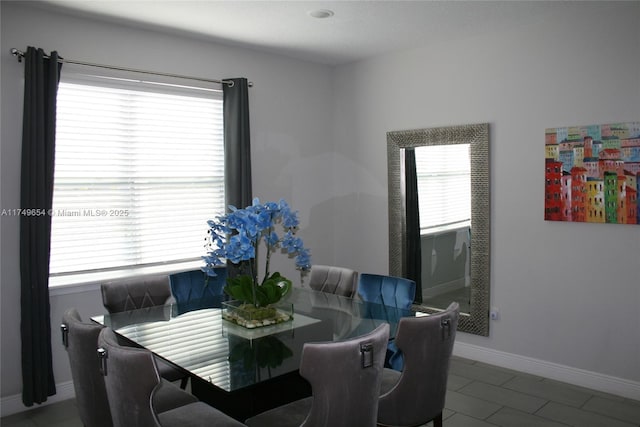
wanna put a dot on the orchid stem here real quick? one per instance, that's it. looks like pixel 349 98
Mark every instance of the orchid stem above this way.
pixel 254 274
pixel 268 259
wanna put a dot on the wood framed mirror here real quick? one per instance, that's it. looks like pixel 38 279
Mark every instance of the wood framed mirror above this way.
pixel 475 317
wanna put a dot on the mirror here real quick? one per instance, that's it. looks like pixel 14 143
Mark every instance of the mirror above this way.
pixel 475 318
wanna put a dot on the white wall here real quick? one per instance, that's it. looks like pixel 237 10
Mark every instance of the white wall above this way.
pixel 291 138
pixel 568 293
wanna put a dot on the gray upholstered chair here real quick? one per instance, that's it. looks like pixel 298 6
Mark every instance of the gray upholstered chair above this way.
pixel 134 293
pixel 345 380
pixel 81 341
pixel 427 344
pixel 133 386
pixel 137 293
pixel 334 280
pixel 341 313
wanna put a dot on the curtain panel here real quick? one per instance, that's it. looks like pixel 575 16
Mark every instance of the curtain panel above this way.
pixel 41 76
pixel 414 246
pixel 237 151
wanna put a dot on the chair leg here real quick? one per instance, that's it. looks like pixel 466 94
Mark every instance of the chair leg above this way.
pixel 183 382
pixel 437 421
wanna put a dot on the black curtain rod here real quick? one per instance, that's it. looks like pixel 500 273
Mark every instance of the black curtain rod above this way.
pixel 20 54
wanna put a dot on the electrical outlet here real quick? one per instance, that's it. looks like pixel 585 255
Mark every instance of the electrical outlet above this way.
pixel 494 314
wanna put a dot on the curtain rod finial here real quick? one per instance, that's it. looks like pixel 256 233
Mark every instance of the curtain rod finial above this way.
pixel 18 54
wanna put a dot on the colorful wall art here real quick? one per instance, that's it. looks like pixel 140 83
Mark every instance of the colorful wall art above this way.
pixel 592 173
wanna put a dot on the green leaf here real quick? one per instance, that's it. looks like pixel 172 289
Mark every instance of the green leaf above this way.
pixel 285 285
pixel 275 287
pixel 262 298
pixel 240 288
pixel 270 292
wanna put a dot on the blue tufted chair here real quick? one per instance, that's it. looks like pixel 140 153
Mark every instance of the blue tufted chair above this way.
pixel 390 291
pixel 195 289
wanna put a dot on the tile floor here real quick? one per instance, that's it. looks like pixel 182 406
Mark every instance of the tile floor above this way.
pixel 479 395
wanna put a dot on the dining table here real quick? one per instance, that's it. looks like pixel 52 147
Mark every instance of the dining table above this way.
pixel 244 371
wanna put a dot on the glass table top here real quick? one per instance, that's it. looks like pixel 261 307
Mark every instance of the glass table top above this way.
pixel 194 336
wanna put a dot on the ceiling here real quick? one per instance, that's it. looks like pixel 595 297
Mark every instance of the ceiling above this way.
pixel 357 30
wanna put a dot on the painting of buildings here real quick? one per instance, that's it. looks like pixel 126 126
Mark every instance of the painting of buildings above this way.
pixel 592 173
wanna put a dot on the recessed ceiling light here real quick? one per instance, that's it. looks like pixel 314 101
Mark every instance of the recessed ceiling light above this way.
pixel 321 13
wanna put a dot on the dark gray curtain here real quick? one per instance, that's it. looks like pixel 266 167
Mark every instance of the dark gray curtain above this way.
pixel 237 152
pixel 413 249
pixel 41 75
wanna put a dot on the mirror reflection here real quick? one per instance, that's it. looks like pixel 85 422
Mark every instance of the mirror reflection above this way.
pixel 443 175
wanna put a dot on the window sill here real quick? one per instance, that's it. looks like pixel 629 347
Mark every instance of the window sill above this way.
pixel 434 231
pixel 91 281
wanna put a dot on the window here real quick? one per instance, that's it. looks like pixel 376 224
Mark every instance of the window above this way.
pixel 139 169
pixel 444 187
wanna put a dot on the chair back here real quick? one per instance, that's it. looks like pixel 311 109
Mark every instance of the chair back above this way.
pixel 388 290
pixel 334 280
pixel 130 376
pixel 135 293
pixel 126 299
pixel 195 289
pixel 345 378
pixel 391 295
pixel 427 344
pixel 81 341
pixel 339 312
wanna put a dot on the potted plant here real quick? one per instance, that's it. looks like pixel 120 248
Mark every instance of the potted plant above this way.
pixel 236 238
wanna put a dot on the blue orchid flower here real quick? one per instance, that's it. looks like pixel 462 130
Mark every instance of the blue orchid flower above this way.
pixel 235 236
pixel 291 243
pixel 264 220
pixel 290 219
pixel 239 249
pixel 303 260
pixel 272 239
pixel 271 206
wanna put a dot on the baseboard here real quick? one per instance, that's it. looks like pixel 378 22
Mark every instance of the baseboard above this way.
pixel 13 404
pixel 580 377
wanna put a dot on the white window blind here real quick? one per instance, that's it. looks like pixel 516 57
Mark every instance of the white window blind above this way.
pixel 139 169
pixel 444 186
